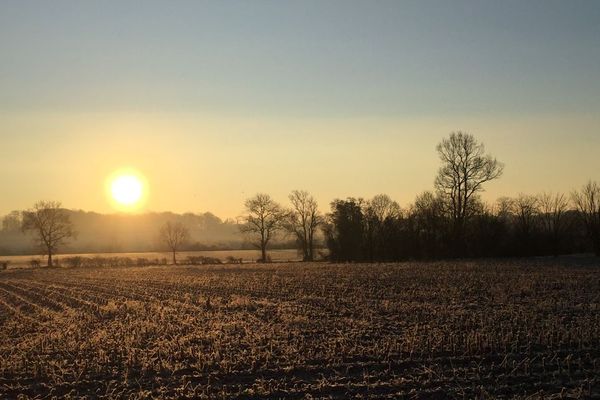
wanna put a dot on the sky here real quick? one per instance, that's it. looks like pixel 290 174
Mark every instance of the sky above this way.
pixel 213 102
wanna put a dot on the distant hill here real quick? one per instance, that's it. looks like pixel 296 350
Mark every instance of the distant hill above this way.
pixel 128 233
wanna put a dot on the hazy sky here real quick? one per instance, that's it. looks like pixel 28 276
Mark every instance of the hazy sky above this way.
pixel 215 101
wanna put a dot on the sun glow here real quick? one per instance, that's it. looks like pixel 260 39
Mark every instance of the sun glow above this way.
pixel 127 190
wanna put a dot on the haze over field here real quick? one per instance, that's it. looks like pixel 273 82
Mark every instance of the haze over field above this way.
pixel 129 233
pixel 212 102
pixel 274 199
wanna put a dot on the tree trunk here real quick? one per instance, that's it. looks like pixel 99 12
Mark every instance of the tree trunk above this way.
pixel 49 258
pixel 263 252
pixel 305 253
pixel 174 258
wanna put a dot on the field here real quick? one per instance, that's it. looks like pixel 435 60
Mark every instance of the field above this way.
pixel 486 329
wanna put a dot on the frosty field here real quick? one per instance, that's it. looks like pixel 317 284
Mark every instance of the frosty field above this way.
pixel 484 329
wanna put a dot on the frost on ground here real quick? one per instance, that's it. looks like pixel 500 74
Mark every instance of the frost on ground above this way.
pixel 508 329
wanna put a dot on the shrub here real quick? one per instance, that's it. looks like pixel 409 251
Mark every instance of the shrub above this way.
pixel 211 260
pixel 233 260
pixel 73 262
pixel 199 260
pixel 34 263
pixel 3 265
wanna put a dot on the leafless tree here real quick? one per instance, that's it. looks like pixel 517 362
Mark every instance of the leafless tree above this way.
pixel 504 208
pixel 264 217
pixel 526 210
pixel 465 168
pixel 587 201
pixel 376 211
pixel 303 221
pixel 51 225
pixel 174 235
pixel 553 207
pixel 383 207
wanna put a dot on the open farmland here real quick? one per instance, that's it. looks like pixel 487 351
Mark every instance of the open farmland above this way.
pixel 483 329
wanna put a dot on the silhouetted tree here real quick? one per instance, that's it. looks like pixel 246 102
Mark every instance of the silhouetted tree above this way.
pixel 429 225
pixel 504 208
pixel 174 235
pixel 504 213
pixel 263 219
pixel 587 201
pixel 465 168
pixel 487 233
pixel 344 230
pixel 379 213
pixel 553 207
pixel 526 211
pixel 51 225
pixel 303 221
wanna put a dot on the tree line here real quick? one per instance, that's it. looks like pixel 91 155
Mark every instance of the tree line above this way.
pixel 449 221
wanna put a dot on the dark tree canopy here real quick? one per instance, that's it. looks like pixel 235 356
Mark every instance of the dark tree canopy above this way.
pixel 587 201
pixel 379 229
pixel 553 208
pixel 345 229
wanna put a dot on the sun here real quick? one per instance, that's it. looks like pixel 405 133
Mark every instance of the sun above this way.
pixel 126 190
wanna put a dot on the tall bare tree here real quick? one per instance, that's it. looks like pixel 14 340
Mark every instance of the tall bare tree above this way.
pixel 264 217
pixel 303 221
pixel 51 225
pixel 553 207
pixel 465 168
pixel 174 235
pixel 587 201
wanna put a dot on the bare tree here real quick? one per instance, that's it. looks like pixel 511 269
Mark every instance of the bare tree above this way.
pixel 526 210
pixel 174 235
pixel 503 208
pixel 383 207
pixel 465 168
pixel 553 207
pixel 51 225
pixel 587 202
pixel 263 219
pixel 376 211
pixel 303 221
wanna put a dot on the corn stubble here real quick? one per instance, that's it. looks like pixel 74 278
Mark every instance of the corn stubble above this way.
pixel 511 329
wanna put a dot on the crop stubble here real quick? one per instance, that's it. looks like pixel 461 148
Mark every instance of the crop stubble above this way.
pixel 508 329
